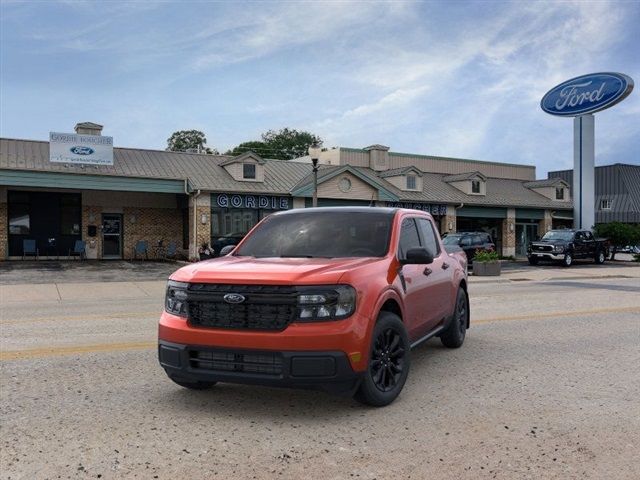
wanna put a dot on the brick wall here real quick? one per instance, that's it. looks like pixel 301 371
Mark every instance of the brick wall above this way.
pixel 152 225
pixel 509 233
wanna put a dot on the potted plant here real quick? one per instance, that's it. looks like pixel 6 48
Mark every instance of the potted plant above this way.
pixel 486 263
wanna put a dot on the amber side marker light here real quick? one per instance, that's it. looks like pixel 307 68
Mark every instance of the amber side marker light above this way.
pixel 355 356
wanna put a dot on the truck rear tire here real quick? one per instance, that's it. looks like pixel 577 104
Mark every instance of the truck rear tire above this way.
pixel 453 335
pixel 389 361
pixel 600 257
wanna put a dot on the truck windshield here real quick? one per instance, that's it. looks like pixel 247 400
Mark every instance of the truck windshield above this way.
pixel 320 234
pixel 558 235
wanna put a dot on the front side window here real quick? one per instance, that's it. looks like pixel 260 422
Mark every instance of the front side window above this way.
pixel 409 237
pixel 429 236
pixel 411 182
pixel 559 193
pixel 475 186
pixel 249 170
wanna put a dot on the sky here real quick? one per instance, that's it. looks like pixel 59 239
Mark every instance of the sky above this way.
pixel 447 78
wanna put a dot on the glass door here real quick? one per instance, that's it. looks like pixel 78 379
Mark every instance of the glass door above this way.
pixel 111 235
pixel 525 233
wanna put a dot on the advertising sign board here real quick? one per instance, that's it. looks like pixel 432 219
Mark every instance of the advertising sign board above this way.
pixel 80 149
pixel 587 94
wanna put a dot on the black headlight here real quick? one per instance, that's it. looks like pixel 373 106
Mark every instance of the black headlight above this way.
pixel 322 303
pixel 176 298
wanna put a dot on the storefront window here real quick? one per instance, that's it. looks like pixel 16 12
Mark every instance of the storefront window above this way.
pixel 70 214
pixel 19 221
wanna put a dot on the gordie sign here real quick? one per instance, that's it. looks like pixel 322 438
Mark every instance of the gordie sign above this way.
pixel 587 94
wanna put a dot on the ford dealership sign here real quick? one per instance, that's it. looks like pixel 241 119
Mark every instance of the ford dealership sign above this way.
pixel 80 149
pixel 587 94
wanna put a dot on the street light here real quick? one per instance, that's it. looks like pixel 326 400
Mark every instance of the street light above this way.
pixel 314 153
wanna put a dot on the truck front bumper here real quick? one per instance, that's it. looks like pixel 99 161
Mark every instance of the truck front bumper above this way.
pixel 324 370
pixel 556 257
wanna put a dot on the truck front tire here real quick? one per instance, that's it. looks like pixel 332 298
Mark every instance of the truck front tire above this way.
pixel 568 260
pixel 600 257
pixel 389 361
pixel 453 335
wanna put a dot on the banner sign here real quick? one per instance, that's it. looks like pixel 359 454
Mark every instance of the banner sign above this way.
pixel 225 200
pixel 80 149
pixel 587 94
pixel 425 207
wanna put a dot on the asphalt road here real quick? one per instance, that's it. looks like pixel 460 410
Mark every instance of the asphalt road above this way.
pixel 547 385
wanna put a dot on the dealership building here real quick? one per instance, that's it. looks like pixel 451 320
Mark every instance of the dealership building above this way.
pixel 79 187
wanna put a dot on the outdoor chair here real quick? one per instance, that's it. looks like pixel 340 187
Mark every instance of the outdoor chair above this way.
pixel 172 250
pixel 141 248
pixel 79 249
pixel 29 248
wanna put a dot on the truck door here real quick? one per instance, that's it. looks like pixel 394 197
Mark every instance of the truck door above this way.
pixel 589 245
pixel 415 282
pixel 579 245
pixel 440 287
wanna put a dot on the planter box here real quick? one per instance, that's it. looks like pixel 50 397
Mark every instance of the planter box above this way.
pixel 486 269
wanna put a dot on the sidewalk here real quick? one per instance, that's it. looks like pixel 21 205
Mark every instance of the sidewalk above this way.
pixel 520 272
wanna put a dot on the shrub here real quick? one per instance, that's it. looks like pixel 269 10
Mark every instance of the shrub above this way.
pixel 486 256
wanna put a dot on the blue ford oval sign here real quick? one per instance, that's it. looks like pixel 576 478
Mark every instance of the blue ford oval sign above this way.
pixel 587 94
pixel 81 150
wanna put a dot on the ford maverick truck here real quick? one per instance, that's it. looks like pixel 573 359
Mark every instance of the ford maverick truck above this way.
pixel 565 246
pixel 328 298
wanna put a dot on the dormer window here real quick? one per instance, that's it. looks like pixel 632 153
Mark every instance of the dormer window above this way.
pixel 475 186
pixel 559 193
pixel 411 182
pixel 605 204
pixel 249 171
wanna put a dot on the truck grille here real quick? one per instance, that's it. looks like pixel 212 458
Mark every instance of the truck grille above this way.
pixel 261 363
pixel 264 307
pixel 543 248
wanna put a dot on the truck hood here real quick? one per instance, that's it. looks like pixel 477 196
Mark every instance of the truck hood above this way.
pixel 270 271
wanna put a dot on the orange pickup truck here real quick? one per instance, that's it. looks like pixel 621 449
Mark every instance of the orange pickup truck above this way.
pixel 328 298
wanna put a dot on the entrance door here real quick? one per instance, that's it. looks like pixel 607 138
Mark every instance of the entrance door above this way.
pixel 111 235
pixel 525 233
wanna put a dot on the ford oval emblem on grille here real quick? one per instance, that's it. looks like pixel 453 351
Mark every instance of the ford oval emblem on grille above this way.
pixel 234 298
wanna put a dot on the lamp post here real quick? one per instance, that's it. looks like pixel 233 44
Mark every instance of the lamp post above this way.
pixel 314 153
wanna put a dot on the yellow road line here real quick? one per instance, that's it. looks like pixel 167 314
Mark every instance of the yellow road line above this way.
pixel 76 318
pixel 119 347
pixel 73 350
pixel 574 313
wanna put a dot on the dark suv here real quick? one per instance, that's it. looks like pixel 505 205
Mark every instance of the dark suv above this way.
pixel 470 242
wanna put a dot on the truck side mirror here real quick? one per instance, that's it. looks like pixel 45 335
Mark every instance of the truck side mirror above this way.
pixel 417 256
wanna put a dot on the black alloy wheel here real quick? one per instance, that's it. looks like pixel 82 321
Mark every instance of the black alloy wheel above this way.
pixel 568 260
pixel 453 336
pixel 600 257
pixel 387 360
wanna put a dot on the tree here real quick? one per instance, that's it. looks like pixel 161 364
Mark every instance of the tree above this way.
pixel 255 146
pixel 283 144
pixel 184 140
pixel 619 234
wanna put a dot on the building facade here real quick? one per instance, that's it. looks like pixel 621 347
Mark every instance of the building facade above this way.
pixel 617 192
pixel 190 199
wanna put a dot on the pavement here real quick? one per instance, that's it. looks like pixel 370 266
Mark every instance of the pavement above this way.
pixel 545 387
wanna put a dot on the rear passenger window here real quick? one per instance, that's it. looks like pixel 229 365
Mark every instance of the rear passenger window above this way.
pixel 428 236
pixel 408 236
pixel 477 240
pixel 465 242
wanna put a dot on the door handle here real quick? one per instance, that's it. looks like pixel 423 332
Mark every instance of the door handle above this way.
pixel 445 265
pixel 427 271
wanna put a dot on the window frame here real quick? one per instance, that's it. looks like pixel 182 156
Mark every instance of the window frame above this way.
pixel 473 184
pixel 559 193
pixel 413 180
pixel 605 204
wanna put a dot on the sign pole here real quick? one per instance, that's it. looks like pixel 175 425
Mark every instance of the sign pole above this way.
pixel 583 172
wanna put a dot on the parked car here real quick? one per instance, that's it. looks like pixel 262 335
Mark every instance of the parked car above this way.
pixel 565 246
pixel 329 298
pixel 471 242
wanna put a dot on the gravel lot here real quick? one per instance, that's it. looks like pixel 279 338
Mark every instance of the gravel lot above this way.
pixel 546 386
